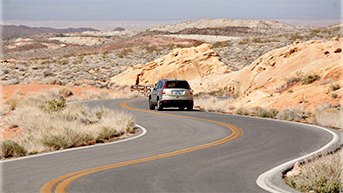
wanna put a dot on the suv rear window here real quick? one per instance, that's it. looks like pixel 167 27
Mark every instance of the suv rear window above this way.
pixel 177 84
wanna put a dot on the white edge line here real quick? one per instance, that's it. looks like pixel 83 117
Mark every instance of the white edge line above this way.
pixel 78 148
pixel 264 180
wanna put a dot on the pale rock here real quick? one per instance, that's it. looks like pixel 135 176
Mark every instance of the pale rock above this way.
pixel 187 63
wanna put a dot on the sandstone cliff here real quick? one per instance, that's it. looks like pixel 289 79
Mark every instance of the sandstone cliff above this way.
pixel 187 63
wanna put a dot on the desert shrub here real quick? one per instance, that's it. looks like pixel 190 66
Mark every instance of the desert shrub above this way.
pixel 152 49
pixel 295 37
pixel 54 105
pixel 214 104
pixel 289 83
pixel 244 41
pixel 222 44
pixel 124 53
pixel 329 117
pixel 334 95
pixel 65 92
pixel 242 111
pixel 60 126
pixel 55 142
pixel 289 115
pixel 11 149
pixel 267 113
pixel 106 133
pixel 12 102
pixel 322 174
pixel 309 78
pixel 334 86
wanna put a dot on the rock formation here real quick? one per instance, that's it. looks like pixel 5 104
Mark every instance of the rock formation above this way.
pixel 274 80
pixel 183 63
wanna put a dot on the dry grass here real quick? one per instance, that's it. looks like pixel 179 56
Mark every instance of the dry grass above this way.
pixel 328 117
pixel 322 174
pixel 103 95
pixel 324 116
pixel 47 123
pixel 214 104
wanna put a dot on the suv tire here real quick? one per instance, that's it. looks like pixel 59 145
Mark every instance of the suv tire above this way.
pixel 151 106
pixel 159 106
pixel 190 108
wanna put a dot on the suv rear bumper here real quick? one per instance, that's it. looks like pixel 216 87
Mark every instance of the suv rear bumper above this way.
pixel 177 103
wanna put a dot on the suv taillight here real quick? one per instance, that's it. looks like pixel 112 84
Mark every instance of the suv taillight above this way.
pixel 190 89
pixel 164 88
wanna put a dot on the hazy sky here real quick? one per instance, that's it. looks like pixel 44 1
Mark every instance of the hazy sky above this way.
pixel 92 10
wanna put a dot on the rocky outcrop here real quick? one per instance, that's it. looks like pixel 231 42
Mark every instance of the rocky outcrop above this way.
pixel 183 63
pixel 275 79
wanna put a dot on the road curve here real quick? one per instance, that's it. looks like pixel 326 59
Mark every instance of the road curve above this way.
pixel 225 166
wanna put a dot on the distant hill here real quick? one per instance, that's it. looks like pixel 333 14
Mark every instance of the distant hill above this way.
pixel 119 29
pixel 10 31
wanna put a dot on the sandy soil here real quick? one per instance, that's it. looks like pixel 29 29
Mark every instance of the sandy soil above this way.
pixel 8 90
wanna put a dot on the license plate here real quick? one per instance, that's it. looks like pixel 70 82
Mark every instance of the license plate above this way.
pixel 177 93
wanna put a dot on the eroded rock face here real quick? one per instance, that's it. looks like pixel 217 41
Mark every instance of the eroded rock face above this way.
pixel 187 63
pixel 274 80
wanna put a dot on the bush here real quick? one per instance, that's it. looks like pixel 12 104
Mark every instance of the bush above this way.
pixel 242 111
pixel 328 117
pixel 334 95
pixel 322 174
pixel 213 104
pixel 65 92
pixel 289 83
pixel 267 113
pixel 124 53
pixel 308 79
pixel 54 105
pixel 12 102
pixel 289 115
pixel 50 124
pixel 334 86
pixel 12 149
pixel 56 142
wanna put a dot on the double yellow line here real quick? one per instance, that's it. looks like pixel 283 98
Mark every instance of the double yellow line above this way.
pixel 62 183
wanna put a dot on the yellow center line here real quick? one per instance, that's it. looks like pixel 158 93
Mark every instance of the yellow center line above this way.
pixel 62 183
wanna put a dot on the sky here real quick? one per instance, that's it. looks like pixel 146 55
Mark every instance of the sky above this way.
pixel 315 11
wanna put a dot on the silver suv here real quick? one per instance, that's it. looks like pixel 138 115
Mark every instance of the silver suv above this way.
pixel 171 93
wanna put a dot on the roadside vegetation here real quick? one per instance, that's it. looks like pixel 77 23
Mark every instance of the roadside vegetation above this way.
pixel 324 115
pixel 321 174
pixel 45 122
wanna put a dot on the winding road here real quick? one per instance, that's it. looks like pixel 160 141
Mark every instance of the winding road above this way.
pixel 182 151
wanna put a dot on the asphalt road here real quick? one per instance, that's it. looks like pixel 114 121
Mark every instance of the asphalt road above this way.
pixel 177 154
